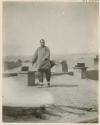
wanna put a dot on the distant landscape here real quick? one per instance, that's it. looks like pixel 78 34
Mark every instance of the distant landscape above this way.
pixel 11 62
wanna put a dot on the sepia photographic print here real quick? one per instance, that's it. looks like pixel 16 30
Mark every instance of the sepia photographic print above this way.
pixel 50 62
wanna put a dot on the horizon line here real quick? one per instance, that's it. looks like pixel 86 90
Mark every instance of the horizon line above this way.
pixel 59 54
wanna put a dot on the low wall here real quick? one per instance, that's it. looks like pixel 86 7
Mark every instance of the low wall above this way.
pixel 22 111
pixel 93 74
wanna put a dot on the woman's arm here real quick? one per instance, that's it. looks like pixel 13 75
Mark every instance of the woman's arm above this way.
pixel 35 57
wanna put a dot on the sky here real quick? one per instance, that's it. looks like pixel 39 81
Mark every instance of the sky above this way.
pixel 66 27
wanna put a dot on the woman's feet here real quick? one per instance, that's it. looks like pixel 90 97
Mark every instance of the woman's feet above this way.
pixel 42 85
pixel 48 84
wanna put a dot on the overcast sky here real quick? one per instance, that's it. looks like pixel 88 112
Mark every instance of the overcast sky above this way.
pixel 66 27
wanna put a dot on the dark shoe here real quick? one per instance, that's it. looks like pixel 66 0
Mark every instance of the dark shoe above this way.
pixel 40 85
pixel 48 84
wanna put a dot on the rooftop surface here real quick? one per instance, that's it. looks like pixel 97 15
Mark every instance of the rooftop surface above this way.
pixel 70 99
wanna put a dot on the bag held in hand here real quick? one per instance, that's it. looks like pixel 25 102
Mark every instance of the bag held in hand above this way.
pixel 45 65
